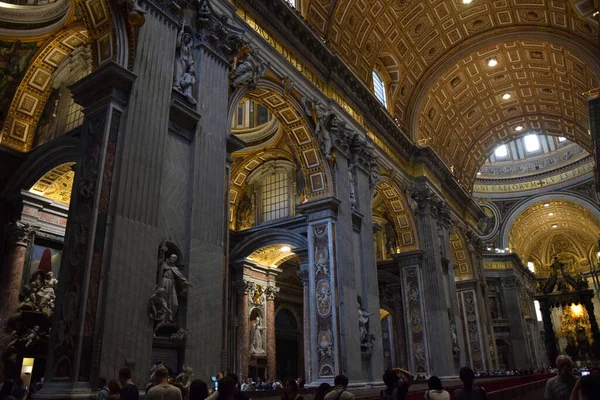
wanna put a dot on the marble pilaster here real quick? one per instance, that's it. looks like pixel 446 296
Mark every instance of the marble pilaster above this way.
pixel 324 288
pixel 472 320
pixel 303 274
pixel 418 341
pixel 434 273
pixel 518 336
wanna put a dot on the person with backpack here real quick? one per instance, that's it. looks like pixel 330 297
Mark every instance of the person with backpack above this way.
pixel 339 392
pixel 103 393
pixel 436 391
pixel 395 388
pixel 468 391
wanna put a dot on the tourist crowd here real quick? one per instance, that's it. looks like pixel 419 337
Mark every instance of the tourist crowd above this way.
pixel 564 386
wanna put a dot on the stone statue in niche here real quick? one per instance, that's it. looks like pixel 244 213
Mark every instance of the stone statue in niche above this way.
pixel 159 310
pixel 247 69
pixel 187 84
pixel 352 184
pixel 257 346
pixel 455 346
pixel 183 78
pixel 366 338
pixel 172 281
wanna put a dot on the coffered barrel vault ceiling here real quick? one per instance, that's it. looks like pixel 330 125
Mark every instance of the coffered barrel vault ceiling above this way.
pixel 447 96
pixel 541 229
pixel 465 115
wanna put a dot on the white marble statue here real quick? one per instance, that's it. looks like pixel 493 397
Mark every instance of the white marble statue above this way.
pixel 174 284
pixel 256 337
pixel 363 321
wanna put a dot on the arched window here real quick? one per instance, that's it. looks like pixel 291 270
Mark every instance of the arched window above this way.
pixel 272 189
pixel 379 88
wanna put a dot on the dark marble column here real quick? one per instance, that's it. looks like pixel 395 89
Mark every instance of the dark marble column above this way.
pixel 271 292
pixel 19 236
pixel 104 95
pixel 589 307
pixel 549 335
pixel 243 290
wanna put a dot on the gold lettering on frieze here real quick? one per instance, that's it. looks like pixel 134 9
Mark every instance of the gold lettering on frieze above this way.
pixel 551 180
pixel 497 265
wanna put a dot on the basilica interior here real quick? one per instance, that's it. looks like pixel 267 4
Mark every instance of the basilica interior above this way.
pixel 299 188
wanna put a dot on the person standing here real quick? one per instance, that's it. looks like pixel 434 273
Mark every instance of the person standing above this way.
pixel 103 393
pixel 561 386
pixel 468 391
pixel 163 390
pixel 198 390
pixel 394 388
pixel 128 391
pixel 290 389
pixel 436 391
pixel 339 391
pixel 324 388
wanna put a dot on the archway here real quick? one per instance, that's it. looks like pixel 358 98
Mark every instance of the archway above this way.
pixel 288 342
pixel 298 144
pixel 391 209
pixel 504 355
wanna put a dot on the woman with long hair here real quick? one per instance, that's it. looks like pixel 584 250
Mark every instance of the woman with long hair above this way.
pixel 324 388
pixel 435 390
pixel 198 390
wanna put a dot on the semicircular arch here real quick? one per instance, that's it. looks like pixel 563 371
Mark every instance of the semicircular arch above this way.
pixel 45 158
pixel 397 208
pixel 295 126
pixel 518 209
pixel 267 237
